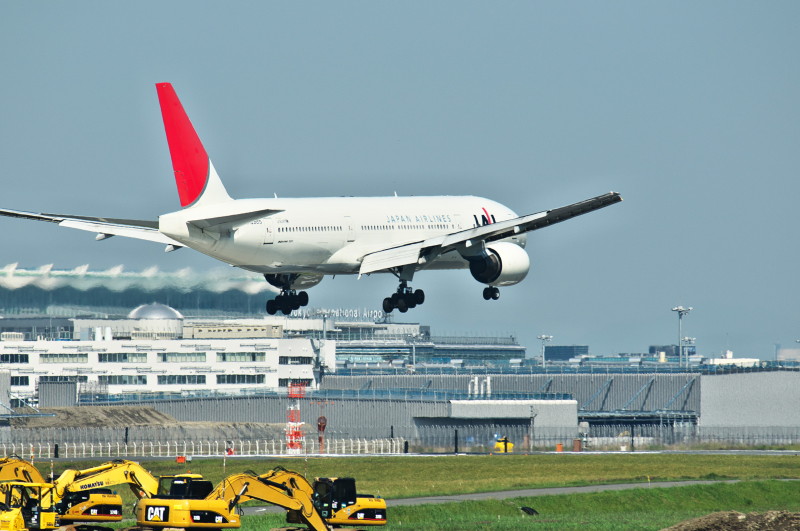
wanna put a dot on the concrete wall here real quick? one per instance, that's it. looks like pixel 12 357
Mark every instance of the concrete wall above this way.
pixel 372 418
pixel 759 399
pixel 346 417
pixel 549 413
pixel 598 391
pixel 58 394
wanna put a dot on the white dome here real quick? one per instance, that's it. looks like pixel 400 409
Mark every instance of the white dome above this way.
pixel 155 311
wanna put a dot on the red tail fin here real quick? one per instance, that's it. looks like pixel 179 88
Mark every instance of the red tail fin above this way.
pixel 194 174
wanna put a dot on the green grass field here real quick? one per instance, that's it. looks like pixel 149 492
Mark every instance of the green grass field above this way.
pixel 645 508
pixel 638 509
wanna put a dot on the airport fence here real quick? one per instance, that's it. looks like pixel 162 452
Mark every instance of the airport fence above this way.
pixel 190 449
pixel 433 439
pixel 611 437
pixel 641 437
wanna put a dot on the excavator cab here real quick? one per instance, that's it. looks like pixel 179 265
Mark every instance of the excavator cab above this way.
pixel 332 494
pixel 339 503
pixel 27 506
pixel 184 487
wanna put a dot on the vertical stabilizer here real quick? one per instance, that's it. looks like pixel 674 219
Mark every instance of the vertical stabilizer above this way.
pixel 195 176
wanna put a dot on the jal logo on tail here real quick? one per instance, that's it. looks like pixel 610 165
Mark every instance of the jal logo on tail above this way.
pixel 484 219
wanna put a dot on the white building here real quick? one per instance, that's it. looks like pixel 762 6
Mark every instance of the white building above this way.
pixel 147 353
pixel 184 365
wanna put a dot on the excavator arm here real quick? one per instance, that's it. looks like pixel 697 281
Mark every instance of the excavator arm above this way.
pixel 280 487
pixel 118 472
pixel 17 469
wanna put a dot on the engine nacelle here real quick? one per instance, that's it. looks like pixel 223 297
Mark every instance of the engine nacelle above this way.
pixel 504 264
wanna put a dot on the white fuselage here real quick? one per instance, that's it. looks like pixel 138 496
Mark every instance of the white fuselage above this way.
pixel 330 235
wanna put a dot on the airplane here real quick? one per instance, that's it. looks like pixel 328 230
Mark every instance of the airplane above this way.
pixel 295 242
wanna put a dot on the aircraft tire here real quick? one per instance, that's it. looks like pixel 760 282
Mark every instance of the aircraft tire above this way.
pixel 419 297
pixel 284 304
pixel 272 307
pixel 303 298
pixel 401 305
pixel 495 293
pixel 487 293
pixel 387 305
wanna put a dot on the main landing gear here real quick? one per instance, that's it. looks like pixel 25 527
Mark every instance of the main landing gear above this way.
pixel 288 301
pixel 491 293
pixel 404 299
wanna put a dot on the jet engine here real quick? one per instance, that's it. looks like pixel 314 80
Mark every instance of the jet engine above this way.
pixel 503 264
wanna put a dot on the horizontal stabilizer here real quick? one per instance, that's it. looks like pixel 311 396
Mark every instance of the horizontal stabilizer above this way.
pixel 130 228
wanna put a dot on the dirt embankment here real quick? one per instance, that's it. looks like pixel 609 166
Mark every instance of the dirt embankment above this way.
pixel 735 521
pixel 95 423
pixel 95 417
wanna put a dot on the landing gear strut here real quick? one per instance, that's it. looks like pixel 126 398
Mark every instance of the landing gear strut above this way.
pixel 288 301
pixel 491 293
pixel 404 299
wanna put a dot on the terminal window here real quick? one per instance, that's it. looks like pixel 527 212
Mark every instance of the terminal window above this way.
pixel 13 358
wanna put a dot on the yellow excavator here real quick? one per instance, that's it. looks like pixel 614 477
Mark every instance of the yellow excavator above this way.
pixel 192 502
pixel 339 504
pixel 177 501
pixel 75 497
pixel 85 495
pixel 95 505
pixel 27 506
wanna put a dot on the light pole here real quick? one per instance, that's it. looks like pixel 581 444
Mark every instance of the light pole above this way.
pixel 545 338
pixel 681 312
pixel 688 341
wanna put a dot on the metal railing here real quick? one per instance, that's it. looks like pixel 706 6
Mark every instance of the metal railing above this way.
pixel 48 450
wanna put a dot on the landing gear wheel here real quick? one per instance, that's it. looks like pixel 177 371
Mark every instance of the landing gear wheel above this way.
pixel 284 304
pixel 419 297
pixel 402 306
pixel 388 306
pixel 272 307
pixel 302 297
pixel 491 293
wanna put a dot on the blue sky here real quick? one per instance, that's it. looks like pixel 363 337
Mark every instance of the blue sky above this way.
pixel 689 109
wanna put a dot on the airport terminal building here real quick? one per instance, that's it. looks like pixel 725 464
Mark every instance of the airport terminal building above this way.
pixel 374 378
pixel 155 349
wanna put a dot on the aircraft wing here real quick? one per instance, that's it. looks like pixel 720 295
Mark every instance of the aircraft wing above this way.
pixel 423 251
pixel 104 227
